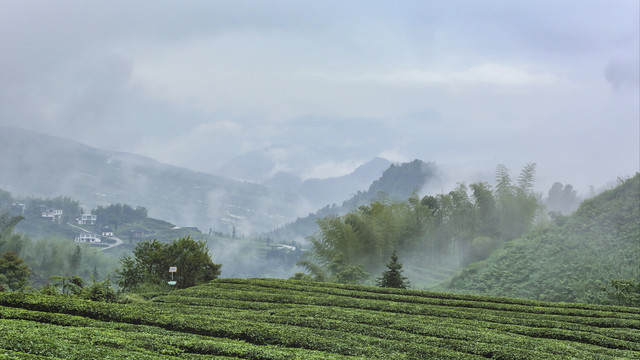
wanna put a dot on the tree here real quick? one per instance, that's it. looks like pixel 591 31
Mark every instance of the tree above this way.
pixel 9 240
pixel 69 285
pixel 392 277
pixel 14 273
pixel 562 199
pixel 151 261
pixel 344 273
pixel 74 259
pixel 623 292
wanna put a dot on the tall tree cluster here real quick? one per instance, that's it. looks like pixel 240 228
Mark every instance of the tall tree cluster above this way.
pixel 14 273
pixel 458 227
pixel 152 259
pixel 118 214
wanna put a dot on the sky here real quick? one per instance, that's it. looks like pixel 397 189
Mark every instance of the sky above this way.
pixel 323 86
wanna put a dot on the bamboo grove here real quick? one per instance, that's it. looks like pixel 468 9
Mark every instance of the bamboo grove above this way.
pixel 445 230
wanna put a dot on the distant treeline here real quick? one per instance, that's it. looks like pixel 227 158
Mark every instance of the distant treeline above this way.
pixel 53 252
pixel 118 214
pixel 32 207
pixel 455 228
pixel 27 262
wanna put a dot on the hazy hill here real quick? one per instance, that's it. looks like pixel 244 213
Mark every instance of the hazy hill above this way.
pixel 335 190
pixel 255 166
pixel 280 319
pixel 45 166
pixel 398 182
pixel 569 261
pixel 260 167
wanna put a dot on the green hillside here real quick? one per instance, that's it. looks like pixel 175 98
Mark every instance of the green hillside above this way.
pixel 571 260
pixel 398 182
pixel 97 177
pixel 286 319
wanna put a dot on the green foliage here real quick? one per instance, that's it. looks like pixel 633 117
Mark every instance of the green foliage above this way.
pixel 301 277
pixel 10 241
pixel 482 247
pixel 100 291
pixel 316 272
pixel 623 292
pixel 14 273
pixel 51 256
pixel 152 259
pixel 398 182
pixel 278 319
pixel 74 260
pixel 70 208
pixel 344 273
pixel 68 285
pixel 118 214
pixel 73 286
pixel 571 260
pixel 452 229
pixel 393 277
pixel 562 199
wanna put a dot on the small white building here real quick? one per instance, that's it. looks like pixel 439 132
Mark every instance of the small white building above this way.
pixel 52 215
pixel 87 219
pixel 106 231
pixel 88 238
pixel 283 247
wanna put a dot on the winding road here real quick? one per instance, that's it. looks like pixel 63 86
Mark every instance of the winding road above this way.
pixel 117 240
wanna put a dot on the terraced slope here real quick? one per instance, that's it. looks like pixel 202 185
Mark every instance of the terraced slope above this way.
pixel 280 319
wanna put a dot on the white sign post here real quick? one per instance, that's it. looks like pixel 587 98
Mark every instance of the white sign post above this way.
pixel 172 269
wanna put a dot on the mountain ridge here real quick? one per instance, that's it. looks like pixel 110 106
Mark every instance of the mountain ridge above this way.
pixel 48 166
pixel 398 182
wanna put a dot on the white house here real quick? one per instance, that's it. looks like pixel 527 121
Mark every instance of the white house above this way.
pixel 106 231
pixel 87 219
pixel 86 237
pixel 52 215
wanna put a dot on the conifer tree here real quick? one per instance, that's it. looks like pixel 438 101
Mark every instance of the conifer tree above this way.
pixel 392 277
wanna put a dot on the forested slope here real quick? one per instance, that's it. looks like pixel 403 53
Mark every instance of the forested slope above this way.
pixel 280 319
pixel 398 182
pixel 571 260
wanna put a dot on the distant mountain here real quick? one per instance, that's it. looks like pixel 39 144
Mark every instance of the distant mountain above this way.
pixel 265 166
pixel 284 181
pixel 47 166
pixel 321 192
pixel 255 166
pixel 398 182
pixel 570 260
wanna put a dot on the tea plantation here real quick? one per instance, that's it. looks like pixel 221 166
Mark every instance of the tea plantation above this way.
pixel 285 319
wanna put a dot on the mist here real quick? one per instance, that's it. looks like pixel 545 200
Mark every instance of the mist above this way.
pixel 466 85
pixel 242 119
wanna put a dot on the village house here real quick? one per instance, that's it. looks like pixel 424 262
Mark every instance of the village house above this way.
pixel 52 215
pixel 106 231
pixel 87 238
pixel 87 219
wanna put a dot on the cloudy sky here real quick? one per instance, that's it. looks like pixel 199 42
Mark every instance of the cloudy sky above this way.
pixel 322 86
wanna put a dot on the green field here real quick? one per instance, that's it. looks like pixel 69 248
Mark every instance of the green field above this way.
pixel 285 319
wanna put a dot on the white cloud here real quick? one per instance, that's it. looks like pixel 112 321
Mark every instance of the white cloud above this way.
pixel 483 74
pixel 197 83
